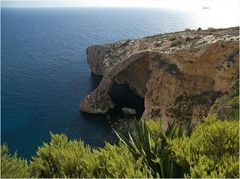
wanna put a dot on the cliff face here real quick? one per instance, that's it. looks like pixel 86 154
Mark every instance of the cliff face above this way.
pixel 179 75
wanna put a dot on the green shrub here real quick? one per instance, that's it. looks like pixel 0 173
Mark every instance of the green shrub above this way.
pixel 211 29
pixel 148 141
pixel 117 162
pixel 188 39
pixel 63 158
pixel 188 30
pixel 172 38
pixel 72 158
pixel 211 151
pixel 11 166
pixel 176 43
pixel 155 128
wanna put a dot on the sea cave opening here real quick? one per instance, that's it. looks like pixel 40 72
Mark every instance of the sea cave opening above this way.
pixel 123 96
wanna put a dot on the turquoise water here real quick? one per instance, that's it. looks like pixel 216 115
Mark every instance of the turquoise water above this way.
pixel 44 71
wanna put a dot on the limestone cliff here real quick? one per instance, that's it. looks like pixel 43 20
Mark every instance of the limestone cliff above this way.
pixel 179 75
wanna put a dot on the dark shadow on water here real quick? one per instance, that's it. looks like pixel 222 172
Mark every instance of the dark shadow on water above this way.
pixel 122 96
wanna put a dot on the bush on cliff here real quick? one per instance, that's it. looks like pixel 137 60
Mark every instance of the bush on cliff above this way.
pixel 149 141
pixel 72 158
pixel 13 167
pixel 176 43
pixel 116 161
pixel 211 151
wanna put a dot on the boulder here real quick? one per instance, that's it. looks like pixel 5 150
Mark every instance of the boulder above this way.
pixel 129 111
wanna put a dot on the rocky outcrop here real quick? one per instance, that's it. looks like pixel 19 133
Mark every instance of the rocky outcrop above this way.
pixel 179 75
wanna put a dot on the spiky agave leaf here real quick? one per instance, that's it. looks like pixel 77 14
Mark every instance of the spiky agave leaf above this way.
pixel 154 153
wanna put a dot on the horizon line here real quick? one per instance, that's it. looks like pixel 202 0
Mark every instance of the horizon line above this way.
pixel 169 4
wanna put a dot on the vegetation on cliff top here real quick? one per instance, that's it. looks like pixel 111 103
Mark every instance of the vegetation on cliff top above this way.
pixel 210 149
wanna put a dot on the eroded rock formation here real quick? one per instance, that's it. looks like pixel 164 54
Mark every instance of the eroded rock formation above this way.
pixel 179 75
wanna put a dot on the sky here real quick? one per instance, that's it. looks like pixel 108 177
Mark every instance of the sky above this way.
pixel 176 4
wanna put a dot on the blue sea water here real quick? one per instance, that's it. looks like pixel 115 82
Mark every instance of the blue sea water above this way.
pixel 44 73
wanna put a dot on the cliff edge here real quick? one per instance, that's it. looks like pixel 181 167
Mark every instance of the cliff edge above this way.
pixel 179 75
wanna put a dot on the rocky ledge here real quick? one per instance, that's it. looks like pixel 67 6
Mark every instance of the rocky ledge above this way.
pixel 179 75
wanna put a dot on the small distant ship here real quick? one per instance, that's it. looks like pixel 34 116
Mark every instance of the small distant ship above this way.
pixel 205 7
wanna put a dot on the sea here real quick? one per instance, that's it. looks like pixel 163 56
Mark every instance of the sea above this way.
pixel 44 70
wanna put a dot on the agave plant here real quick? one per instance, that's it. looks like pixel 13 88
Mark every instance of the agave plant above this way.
pixel 140 144
pixel 154 151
